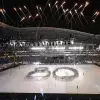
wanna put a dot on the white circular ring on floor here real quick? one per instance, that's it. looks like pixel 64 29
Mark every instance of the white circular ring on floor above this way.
pixel 68 74
pixel 40 73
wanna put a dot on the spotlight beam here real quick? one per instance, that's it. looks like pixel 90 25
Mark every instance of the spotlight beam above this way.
pixel 64 12
pixel 17 12
pixel 79 18
pixel 95 17
pixel 36 15
pixel 45 5
pixel 35 18
pixel 57 10
pixel 8 16
pixel 54 4
pixel 71 9
pixel 77 10
pixel 39 12
pixel 86 4
pixel 84 17
pixel 95 14
pixel 23 18
pixel 61 6
pixel 1 10
pixel 50 9
pixel 43 14
pixel 28 11
pixel 22 12
pixel 72 16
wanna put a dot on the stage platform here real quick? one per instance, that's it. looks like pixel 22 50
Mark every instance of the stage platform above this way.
pixel 15 81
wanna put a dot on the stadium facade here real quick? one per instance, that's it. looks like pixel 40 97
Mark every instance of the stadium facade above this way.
pixel 48 45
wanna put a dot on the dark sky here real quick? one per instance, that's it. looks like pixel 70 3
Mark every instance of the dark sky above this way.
pixel 31 5
pixel 10 3
pixel 94 4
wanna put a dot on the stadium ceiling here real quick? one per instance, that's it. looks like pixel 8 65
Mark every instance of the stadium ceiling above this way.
pixel 50 33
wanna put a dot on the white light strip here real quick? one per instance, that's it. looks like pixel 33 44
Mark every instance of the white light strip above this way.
pixel 58 48
pixel 76 48
pixel 38 48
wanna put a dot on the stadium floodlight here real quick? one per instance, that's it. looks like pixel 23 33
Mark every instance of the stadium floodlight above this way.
pixel 38 48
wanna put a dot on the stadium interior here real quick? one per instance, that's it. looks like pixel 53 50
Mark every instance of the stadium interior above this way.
pixel 47 51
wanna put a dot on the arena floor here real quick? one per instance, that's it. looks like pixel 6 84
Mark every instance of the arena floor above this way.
pixel 14 80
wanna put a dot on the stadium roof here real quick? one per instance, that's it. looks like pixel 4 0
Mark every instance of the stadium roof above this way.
pixel 47 33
